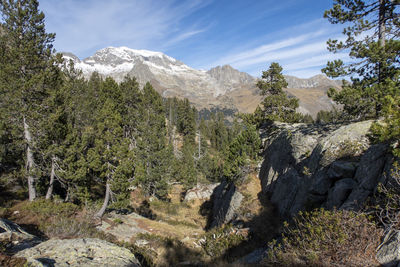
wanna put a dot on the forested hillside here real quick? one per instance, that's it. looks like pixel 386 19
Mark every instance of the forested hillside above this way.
pixel 83 140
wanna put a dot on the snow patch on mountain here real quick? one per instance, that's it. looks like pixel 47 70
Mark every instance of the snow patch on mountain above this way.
pixel 222 86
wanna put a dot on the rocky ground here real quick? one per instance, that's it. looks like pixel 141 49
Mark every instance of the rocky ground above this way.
pixel 184 231
pixel 331 166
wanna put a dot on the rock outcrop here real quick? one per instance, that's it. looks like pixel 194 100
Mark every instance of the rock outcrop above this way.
pixel 226 201
pixel 388 253
pixel 18 237
pixel 122 227
pixel 330 166
pixel 200 192
pixel 78 252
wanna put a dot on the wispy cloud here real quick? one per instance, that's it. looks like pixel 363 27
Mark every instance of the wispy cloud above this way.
pixel 252 56
pixel 83 26
pixel 183 36
pixel 248 35
pixel 303 53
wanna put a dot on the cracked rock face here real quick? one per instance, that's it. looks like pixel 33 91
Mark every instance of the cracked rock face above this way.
pixel 226 202
pixel 200 192
pixel 327 166
pixel 78 252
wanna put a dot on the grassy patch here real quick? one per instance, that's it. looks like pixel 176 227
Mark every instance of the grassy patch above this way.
pixel 183 223
pixel 169 208
pixel 167 251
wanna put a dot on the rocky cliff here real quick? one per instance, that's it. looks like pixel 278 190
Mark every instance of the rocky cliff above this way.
pixel 330 166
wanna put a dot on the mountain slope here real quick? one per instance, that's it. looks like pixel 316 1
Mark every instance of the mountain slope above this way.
pixel 223 86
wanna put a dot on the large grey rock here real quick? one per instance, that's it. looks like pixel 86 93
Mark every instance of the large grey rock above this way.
pixel 371 166
pixel 286 190
pixel 388 253
pixel 349 140
pixel 367 176
pixel 226 201
pixel 283 150
pixel 339 193
pixel 20 239
pixel 122 226
pixel 341 169
pixel 321 182
pixel 200 192
pixel 78 252
pixel 302 163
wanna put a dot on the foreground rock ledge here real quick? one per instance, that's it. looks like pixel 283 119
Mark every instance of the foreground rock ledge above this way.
pixel 78 252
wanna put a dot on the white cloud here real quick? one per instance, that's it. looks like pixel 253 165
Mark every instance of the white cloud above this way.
pixel 83 26
pixel 248 56
pixel 301 50
pixel 183 36
pixel 314 61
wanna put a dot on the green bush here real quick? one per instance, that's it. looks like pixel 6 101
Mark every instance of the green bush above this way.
pixel 47 208
pixel 388 130
pixel 218 241
pixel 326 238
pixel 63 227
pixel 385 205
pixel 143 255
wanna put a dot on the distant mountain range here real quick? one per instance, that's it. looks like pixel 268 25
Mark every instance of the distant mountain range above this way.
pixel 220 87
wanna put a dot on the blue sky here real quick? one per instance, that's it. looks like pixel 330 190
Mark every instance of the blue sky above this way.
pixel 247 34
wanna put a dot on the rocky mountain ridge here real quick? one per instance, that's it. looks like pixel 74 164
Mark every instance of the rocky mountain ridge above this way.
pixel 221 86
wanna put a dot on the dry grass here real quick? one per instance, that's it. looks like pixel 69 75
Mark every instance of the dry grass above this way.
pixel 326 238
pixel 51 219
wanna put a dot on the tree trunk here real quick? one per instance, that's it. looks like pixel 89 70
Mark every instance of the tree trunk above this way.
pixel 100 213
pixel 52 175
pixel 29 163
pixel 199 144
pixel 381 42
pixel 382 22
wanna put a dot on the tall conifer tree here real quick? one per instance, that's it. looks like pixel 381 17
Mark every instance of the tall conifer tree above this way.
pixel 372 40
pixel 26 73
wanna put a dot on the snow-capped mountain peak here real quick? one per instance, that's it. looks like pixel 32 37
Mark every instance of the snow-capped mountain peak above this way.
pixel 222 86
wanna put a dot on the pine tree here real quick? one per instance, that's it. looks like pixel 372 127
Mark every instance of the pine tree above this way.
pixel 243 148
pixel 372 40
pixel 276 106
pixel 26 73
pixel 110 158
pixel 153 164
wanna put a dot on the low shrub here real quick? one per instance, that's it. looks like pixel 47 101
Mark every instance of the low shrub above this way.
pixel 143 255
pixel 47 208
pixel 326 238
pixel 385 204
pixel 218 241
pixel 64 227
